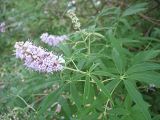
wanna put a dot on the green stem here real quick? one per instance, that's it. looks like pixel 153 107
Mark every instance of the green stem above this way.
pixel 79 71
pixel 74 65
pixel 106 106
pixel 89 46
pixel 29 106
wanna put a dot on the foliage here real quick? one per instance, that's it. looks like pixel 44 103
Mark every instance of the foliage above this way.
pixel 112 62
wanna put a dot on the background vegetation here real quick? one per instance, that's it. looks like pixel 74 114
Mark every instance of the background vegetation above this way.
pixel 114 64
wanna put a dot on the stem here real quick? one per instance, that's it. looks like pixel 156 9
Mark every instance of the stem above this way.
pixel 106 106
pixel 69 81
pixel 107 80
pixel 79 71
pixel 89 46
pixel 74 65
pixel 29 106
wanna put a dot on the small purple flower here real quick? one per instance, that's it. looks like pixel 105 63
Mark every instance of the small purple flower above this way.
pixel 44 37
pixel 37 58
pixel 52 40
pixel 2 27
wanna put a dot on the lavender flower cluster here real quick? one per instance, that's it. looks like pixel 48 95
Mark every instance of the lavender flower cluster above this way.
pixel 52 40
pixel 37 58
pixel 2 27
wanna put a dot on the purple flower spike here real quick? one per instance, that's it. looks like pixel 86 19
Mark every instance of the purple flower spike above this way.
pixel 37 58
pixel 52 40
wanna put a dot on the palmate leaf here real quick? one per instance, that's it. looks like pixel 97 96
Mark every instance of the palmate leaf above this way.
pixel 119 111
pixel 112 84
pixel 93 116
pixel 65 106
pixel 127 111
pixel 75 95
pixel 117 60
pixel 114 11
pixel 135 9
pixel 103 73
pixel 137 98
pixel 89 93
pixel 109 11
pixel 128 102
pixel 147 77
pixel 143 67
pixel 87 113
pixel 145 56
pixel 135 113
pixel 156 117
pixel 102 88
pixel 86 90
pixel 101 99
pixel 36 86
pixel 49 100
pixel 66 49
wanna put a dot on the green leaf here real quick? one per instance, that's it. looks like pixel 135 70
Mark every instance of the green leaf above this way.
pixel 134 9
pixel 66 49
pixel 137 98
pixel 145 56
pixel 143 67
pixel 101 99
pixel 147 77
pixel 75 95
pixel 92 116
pixel 49 100
pixel 81 63
pixel 93 67
pixel 102 88
pixel 82 113
pixel 103 73
pixel 98 34
pixel 136 113
pixel 109 11
pixel 117 60
pixel 127 118
pixel 157 117
pixel 119 111
pixel 112 84
pixel 115 43
pixel 128 102
pixel 65 106
pixel 86 90
pixel 36 86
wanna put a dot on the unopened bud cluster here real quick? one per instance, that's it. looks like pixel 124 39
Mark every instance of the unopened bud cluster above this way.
pixel 74 19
